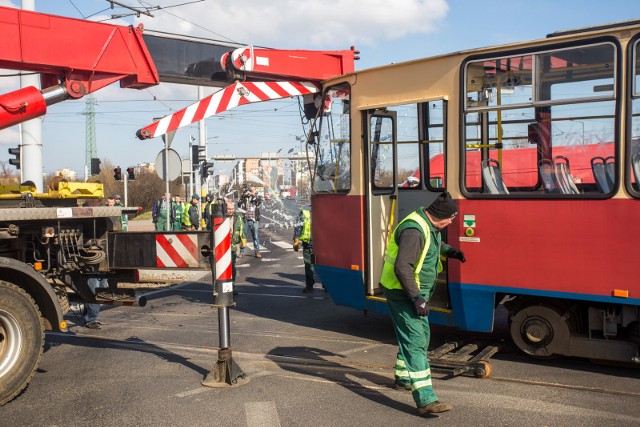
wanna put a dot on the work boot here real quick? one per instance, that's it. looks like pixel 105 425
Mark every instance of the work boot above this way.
pixel 92 325
pixel 434 408
pixel 307 290
pixel 258 254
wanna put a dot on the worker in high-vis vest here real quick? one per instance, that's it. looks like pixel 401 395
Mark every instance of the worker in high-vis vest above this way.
pixel 302 234
pixel 191 218
pixel 411 266
pixel 179 211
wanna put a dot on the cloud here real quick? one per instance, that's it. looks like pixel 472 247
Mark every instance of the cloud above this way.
pixel 303 24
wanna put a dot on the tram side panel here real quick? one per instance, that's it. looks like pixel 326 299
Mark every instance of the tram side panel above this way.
pixel 338 241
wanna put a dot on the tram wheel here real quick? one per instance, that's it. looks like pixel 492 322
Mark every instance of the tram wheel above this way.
pixel 540 331
pixel 483 370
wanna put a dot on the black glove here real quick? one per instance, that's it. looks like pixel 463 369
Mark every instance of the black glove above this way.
pixel 422 307
pixel 456 253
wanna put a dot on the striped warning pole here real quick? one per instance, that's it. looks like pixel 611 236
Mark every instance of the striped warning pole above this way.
pixel 225 372
pixel 222 239
pixel 237 94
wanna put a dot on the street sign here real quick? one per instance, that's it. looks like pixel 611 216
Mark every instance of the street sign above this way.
pixel 168 137
pixel 175 165
pixel 186 167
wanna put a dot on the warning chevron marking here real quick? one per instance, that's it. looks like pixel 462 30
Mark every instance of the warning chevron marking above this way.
pixel 176 251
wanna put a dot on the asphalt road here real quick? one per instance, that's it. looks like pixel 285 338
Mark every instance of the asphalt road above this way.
pixel 308 362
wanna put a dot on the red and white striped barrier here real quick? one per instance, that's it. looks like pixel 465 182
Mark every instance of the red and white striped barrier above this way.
pixel 240 93
pixel 177 250
pixel 222 239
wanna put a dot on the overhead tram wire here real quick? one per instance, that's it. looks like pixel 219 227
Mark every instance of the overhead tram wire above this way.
pixel 76 8
pixel 194 24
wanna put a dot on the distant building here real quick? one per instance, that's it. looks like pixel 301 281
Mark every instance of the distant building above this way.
pixel 67 174
pixel 220 180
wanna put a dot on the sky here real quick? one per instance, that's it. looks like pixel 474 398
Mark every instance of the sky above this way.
pixel 383 31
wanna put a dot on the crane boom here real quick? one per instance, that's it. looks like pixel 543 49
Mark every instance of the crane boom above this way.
pixel 76 57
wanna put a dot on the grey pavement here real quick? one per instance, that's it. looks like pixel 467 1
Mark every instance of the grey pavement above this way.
pixel 309 362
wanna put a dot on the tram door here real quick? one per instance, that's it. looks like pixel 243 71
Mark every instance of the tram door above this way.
pixel 380 189
pixel 405 163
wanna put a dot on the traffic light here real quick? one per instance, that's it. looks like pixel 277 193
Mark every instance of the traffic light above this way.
pixel 198 154
pixel 131 173
pixel 95 166
pixel 206 168
pixel 15 152
pixel 117 173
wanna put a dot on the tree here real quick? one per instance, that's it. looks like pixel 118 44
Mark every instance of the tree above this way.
pixel 8 174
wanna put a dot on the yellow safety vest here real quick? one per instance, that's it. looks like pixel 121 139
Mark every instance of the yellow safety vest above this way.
pixel 305 235
pixel 389 279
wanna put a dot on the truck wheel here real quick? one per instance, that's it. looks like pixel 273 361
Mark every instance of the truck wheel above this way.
pixel 21 340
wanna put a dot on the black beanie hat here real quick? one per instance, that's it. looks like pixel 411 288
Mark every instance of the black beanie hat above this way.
pixel 443 206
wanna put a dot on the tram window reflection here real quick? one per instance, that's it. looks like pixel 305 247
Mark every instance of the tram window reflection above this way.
pixel 542 142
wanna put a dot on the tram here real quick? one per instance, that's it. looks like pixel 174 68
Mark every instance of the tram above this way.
pixel 539 143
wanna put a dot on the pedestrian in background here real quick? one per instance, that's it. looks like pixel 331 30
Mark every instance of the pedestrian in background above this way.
pixel 302 234
pixel 124 220
pixel 250 202
pixel 159 213
pixel 191 220
pixel 411 267
pixel 91 315
pixel 206 211
pixel 179 210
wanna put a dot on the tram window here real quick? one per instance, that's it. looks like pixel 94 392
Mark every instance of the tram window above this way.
pixel 501 81
pixel 434 116
pixel 570 115
pixel 382 159
pixel 633 152
pixel 636 79
pixel 333 151
pixel 585 72
pixel 408 149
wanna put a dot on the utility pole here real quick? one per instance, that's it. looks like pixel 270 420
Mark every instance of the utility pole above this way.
pixel 91 150
pixel 31 130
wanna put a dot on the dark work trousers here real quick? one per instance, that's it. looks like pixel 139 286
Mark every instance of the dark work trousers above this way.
pixel 307 255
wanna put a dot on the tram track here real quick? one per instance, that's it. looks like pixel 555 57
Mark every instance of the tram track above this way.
pixel 327 362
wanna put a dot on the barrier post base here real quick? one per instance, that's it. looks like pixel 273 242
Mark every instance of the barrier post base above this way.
pixel 225 373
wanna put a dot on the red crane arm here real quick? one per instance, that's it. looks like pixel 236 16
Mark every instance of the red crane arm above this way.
pixel 75 58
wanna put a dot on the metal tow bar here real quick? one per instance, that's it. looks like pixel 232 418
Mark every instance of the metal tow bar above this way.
pixel 453 359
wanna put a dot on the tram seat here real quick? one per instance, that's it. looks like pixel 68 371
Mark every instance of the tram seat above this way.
pixel 547 175
pixel 562 172
pixel 635 162
pixel 493 177
pixel 610 168
pixel 598 166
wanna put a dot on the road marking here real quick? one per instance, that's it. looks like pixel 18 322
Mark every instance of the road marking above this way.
pixel 192 392
pixel 283 245
pixel 270 259
pixel 262 414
